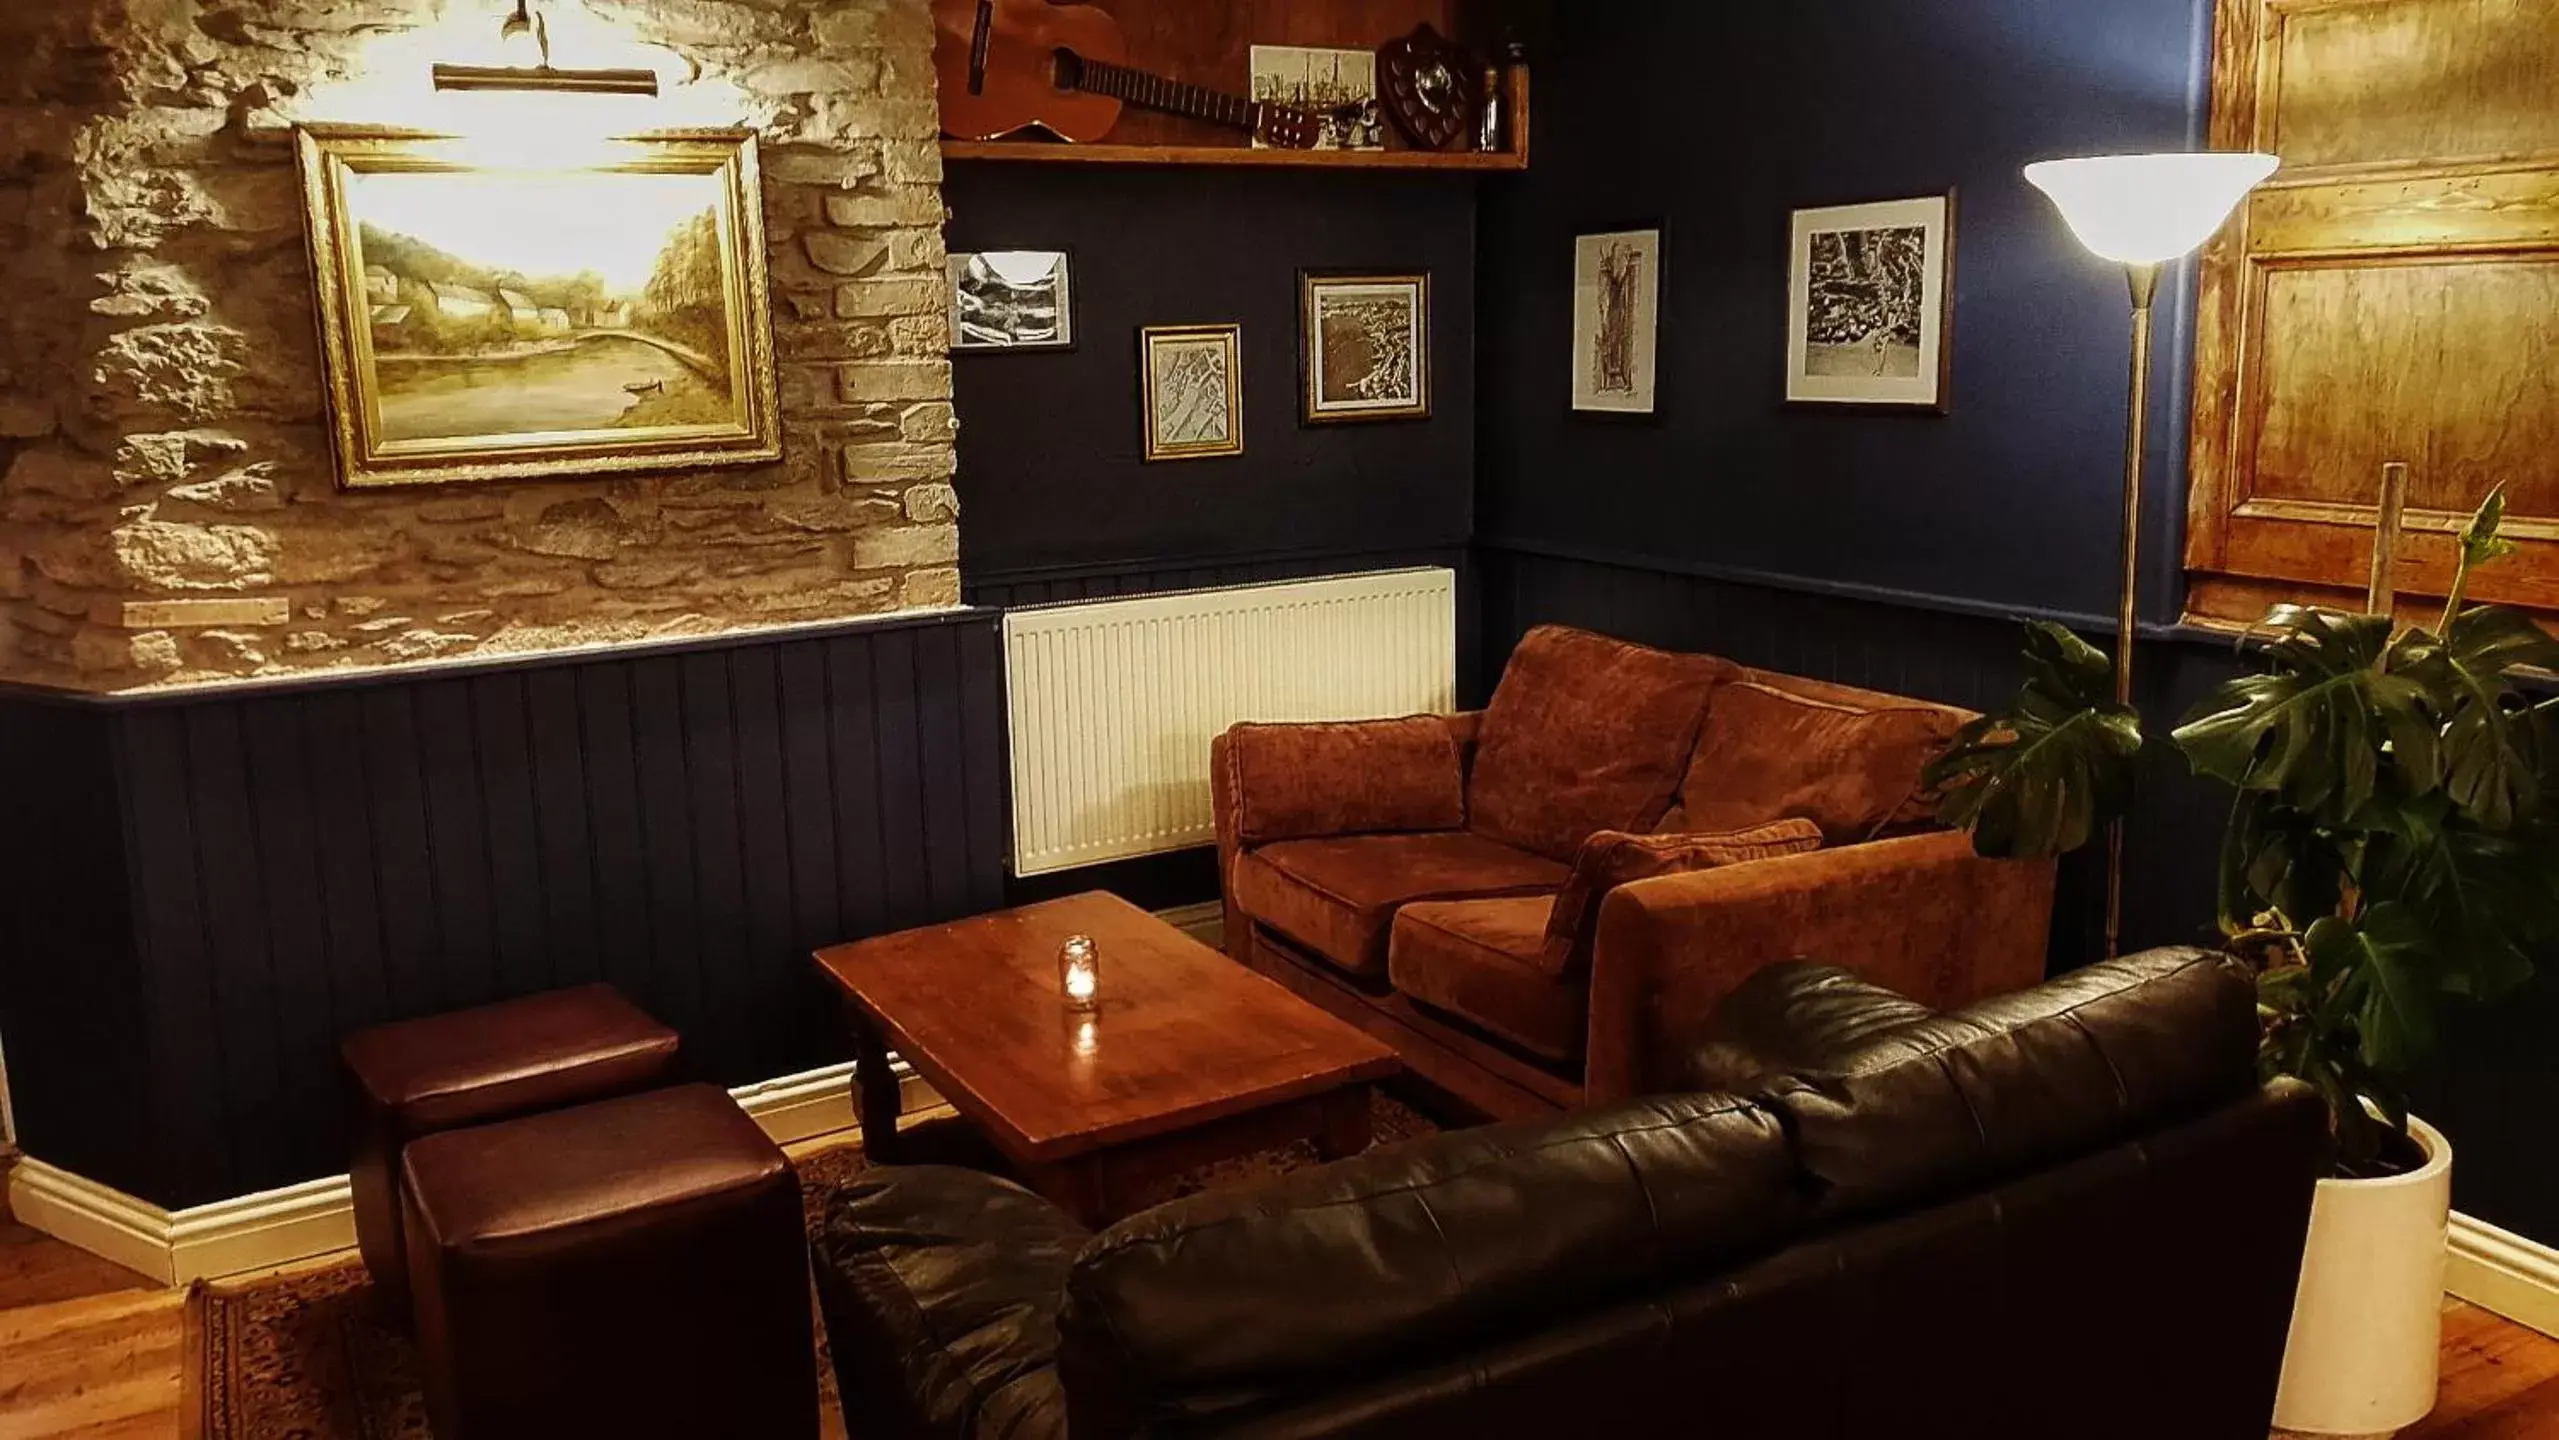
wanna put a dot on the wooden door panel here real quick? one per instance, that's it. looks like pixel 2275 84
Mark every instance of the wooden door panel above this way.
pixel 2418 81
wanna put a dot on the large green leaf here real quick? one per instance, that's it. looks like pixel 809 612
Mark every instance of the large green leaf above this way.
pixel 2380 965
pixel 2316 730
pixel 2274 859
pixel 2043 778
pixel 2486 898
pixel 2490 760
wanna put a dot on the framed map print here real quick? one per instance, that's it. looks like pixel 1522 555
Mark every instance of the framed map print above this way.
pixel 1364 347
pixel 1870 305
pixel 1617 308
pixel 1193 379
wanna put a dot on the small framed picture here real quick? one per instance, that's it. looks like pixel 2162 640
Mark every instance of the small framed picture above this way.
pixel 1338 87
pixel 1012 300
pixel 1871 305
pixel 1617 310
pixel 1193 378
pixel 1363 346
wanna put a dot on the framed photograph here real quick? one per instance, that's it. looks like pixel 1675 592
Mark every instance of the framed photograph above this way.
pixel 1871 305
pixel 487 323
pixel 1617 311
pixel 1012 300
pixel 1363 346
pixel 1194 390
pixel 1338 87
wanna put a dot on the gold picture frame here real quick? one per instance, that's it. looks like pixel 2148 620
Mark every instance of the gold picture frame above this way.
pixel 482 320
pixel 1363 346
pixel 1192 377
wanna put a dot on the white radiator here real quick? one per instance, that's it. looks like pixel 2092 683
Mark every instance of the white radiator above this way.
pixel 1114 702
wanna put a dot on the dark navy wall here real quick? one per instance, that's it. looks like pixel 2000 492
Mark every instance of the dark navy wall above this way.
pixel 1892 551
pixel 2011 499
pixel 1049 446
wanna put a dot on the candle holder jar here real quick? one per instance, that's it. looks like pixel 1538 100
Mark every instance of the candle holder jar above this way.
pixel 1079 973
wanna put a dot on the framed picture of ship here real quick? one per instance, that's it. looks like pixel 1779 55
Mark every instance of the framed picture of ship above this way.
pixel 486 323
pixel 1617 312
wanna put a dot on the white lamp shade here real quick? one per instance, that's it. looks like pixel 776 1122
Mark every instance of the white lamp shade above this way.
pixel 2149 209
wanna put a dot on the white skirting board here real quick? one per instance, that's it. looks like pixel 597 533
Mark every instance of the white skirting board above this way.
pixel 316 1218
pixel 2501 1271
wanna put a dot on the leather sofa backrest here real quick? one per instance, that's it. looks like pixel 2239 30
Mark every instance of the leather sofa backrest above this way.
pixel 1950 1103
pixel 1233 1300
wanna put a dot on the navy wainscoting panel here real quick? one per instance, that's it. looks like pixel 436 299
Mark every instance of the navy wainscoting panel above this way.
pixel 228 881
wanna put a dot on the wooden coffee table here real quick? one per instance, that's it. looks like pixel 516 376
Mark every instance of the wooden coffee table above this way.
pixel 1192 1057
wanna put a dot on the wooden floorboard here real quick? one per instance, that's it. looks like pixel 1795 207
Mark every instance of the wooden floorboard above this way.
pixel 91 1351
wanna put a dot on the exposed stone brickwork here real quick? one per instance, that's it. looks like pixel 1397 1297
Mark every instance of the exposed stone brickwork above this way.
pixel 168 510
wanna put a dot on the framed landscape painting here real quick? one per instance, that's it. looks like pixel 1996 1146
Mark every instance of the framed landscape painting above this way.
pixel 488 323
pixel 1871 305
pixel 1364 346
pixel 1193 378
pixel 1617 316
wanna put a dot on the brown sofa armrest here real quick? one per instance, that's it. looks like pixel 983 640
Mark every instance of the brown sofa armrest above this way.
pixel 1334 747
pixel 1921 915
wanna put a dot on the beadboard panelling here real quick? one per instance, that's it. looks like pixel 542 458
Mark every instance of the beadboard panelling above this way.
pixel 275 867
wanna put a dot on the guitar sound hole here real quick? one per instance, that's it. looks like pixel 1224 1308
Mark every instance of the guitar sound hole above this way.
pixel 1070 68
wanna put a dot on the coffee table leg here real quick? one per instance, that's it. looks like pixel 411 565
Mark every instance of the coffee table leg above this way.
pixel 1346 1130
pixel 876 1096
pixel 1076 1187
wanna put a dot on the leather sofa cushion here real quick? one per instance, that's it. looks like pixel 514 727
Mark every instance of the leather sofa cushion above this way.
pixel 1481 961
pixel 1612 858
pixel 941 1289
pixel 1584 734
pixel 1949 1103
pixel 1789 1018
pixel 1338 897
pixel 539 1052
pixel 1234 1298
pixel 1299 781
pixel 1769 755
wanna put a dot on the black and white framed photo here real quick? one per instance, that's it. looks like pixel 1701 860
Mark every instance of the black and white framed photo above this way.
pixel 1871 305
pixel 1617 311
pixel 1193 382
pixel 1363 346
pixel 1012 300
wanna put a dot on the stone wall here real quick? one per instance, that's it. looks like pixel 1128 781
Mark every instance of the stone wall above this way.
pixel 170 512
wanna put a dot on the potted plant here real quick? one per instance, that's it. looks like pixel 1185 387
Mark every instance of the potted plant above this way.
pixel 2393 843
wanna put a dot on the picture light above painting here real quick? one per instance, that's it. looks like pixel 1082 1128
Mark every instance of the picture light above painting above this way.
pixel 480 322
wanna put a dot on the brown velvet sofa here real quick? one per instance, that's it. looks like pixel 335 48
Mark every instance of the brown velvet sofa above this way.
pixel 1531 903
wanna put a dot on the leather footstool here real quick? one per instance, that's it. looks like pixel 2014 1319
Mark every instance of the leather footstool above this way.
pixel 471 1067
pixel 634 1268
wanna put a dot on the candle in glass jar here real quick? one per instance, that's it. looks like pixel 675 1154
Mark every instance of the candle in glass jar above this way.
pixel 1079 972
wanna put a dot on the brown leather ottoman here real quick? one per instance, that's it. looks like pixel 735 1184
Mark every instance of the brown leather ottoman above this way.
pixel 471 1067
pixel 633 1268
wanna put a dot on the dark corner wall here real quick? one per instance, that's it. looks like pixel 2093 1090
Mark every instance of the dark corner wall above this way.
pixel 1882 549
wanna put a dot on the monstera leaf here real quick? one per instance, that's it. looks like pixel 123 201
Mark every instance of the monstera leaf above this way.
pixel 2325 727
pixel 2491 756
pixel 2272 858
pixel 2381 965
pixel 2046 776
pixel 2485 897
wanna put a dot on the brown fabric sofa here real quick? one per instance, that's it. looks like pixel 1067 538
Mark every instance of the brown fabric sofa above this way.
pixel 1530 903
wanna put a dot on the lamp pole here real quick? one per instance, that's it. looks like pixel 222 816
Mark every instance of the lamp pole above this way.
pixel 2145 294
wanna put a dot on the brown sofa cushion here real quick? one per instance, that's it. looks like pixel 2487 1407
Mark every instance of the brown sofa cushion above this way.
pixel 1612 858
pixel 1585 734
pixel 1768 755
pixel 1479 961
pixel 1337 897
pixel 1364 777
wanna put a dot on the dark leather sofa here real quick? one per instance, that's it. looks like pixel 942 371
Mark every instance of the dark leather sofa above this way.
pixel 2068 1211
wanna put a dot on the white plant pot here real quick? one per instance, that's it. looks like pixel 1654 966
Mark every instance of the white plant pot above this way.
pixel 2367 1323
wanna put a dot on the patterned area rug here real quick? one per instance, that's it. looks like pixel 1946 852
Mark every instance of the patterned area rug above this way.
pixel 309 1353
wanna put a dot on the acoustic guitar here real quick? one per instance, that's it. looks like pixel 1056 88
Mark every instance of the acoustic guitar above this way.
pixel 1009 65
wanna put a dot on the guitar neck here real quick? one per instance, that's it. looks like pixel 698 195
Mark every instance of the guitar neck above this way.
pixel 1154 92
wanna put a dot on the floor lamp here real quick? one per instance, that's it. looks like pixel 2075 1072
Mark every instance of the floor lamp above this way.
pixel 2142 211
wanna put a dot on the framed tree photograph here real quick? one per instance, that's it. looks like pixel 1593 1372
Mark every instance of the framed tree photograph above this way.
pixel 1193 383
pixel 1617 311
pixel 1871 305
pixel 1363 346
pixel 480 322
pixel 1012 300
